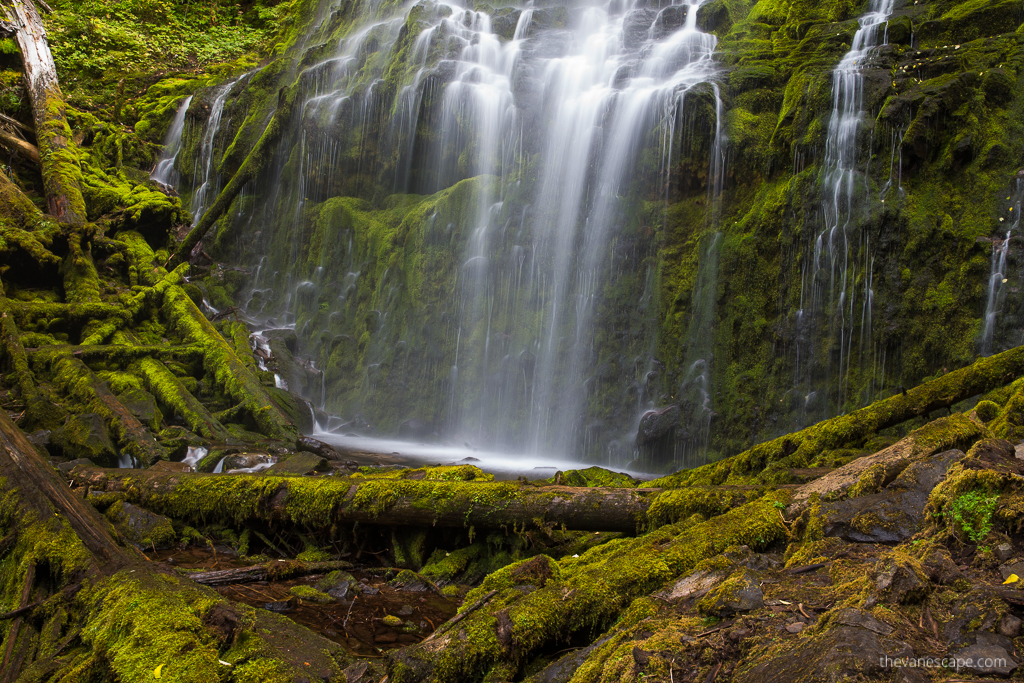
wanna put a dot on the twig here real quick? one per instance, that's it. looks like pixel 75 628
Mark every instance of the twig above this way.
pixel 459 617
pixel 807 568
pixel 713 674
pixel 800 606
pixel 709 632
pixel 344 624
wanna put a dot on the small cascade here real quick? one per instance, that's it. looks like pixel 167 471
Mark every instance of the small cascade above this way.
pixel 206 179
pixel 193 455
pixel 164 172
pixel 827 364
pixel 999 285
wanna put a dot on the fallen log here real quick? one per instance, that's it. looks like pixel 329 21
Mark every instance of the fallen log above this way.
pixel 75 379
pixel 170 392
pixel 281 569
pixel 797 449
pixel 23 148
pixel 224 366
pixel 318 502
pixel 119 352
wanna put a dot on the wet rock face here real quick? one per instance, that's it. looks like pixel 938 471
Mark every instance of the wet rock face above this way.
pixel 636 27
pixel 657 424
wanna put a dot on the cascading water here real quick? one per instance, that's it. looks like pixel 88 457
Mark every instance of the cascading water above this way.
pixel 999 285
pixel 548 140
pixel 164 172
pixel 828 318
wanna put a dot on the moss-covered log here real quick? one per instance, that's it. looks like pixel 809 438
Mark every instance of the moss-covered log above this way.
pixel 319 502
pixel 172 394
pixel 122 617
pixel 797 449
pixel 62 173
pixel 123 353
pixel 540 604
pixel 222 363
pixel 77 381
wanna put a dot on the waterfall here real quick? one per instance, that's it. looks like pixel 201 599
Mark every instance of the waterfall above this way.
pixel 827 314
pixel 164 172
pixel 206 179
pixel 998 278
pixel 533 152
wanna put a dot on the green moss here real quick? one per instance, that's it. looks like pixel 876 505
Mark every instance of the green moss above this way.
pixel 584 594
pixel 310 594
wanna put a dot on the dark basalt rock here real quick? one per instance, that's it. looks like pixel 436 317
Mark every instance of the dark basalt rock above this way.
pixel 669 20
pixel 989 655
pixel 311 445
pixel 842 653
pixel 894 514
pixel 656 424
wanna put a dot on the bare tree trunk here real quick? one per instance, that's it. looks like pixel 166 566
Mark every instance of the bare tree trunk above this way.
pixel 61 169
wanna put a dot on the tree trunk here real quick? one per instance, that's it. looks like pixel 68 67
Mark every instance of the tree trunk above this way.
pixel 319 502
pixel 62 171
pixel 798 448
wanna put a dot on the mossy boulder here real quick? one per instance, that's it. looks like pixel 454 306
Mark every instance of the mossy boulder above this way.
pixel 594 476
pixel 741 592
pixel 299 464
pixel 142 527
pixel 86 436
pixel 310 594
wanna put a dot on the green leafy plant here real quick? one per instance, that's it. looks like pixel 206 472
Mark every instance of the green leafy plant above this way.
pixel 973 513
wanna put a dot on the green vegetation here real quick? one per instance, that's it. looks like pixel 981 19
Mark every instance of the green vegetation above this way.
pixel 973 512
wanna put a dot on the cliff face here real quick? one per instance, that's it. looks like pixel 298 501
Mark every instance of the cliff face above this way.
pixel 426 202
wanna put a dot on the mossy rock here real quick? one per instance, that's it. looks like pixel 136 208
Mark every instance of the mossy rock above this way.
pixel 987 410
pixel 86 436
pixel 310 594
pixel 592 477
pixel 299 464
pixel 142 405
pixel 296 408
pixel 141 527
pixel 741 592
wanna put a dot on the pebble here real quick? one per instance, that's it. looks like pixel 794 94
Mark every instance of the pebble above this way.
pixel 795 627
